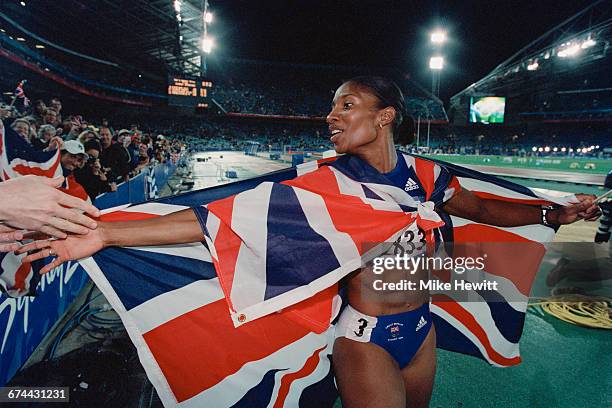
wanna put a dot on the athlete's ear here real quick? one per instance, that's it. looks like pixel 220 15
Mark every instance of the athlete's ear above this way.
pixel 386 116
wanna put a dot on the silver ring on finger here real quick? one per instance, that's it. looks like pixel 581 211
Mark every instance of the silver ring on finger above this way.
pixel 51 252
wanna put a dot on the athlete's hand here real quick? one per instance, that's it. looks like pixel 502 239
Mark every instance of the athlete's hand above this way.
pixel 584 209
pixel 72 248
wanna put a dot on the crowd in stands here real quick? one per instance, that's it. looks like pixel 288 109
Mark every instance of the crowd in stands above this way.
pixel 94 156
pixel 533 142
pixel 299 100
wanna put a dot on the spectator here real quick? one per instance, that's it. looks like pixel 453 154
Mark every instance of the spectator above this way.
pixel 22 127
pixel 39 111
pixel 87 135
pixel 73 157
pixel 71 128
pixel 92 176
pixel 113 157
pixel 45 134
pixel 143 159
pixel 56 105
pixel 50 117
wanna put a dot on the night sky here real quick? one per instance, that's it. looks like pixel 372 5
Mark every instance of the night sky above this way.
pixel 481 34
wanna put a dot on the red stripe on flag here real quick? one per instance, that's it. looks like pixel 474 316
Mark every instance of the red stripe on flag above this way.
pixel 199 349
pixel 288 379
pixel 501 249
pixel 315 312
pixel 21 275
pixel 37 171
pixel 374 226
pixel 227 244
pixel 467 319
pixel 425 172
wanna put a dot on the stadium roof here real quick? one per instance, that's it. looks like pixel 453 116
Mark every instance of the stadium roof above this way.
pixel 150 36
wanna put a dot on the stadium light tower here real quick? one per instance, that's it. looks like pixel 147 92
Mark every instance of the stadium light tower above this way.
pixel 438 38
pixel 207 41
pixel 436 64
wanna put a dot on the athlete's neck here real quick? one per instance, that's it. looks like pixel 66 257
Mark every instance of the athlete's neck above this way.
pixel 381 156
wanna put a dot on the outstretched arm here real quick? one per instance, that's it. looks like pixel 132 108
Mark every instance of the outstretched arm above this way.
pixel 506 214
pixel 177 228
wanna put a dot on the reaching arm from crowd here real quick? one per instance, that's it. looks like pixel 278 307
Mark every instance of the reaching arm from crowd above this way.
pixel 34 203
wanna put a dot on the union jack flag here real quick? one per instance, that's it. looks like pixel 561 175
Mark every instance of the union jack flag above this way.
pixel 20 93
pixel 18 158
pixel 245 319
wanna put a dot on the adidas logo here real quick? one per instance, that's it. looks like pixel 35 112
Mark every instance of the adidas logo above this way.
pixel 411 185
pixel 422 322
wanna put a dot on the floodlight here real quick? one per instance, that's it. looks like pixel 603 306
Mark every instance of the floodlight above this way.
pixel 40 46
pixel 436 63
pixel 597 147
pixel 534 149
pixel 570 51
pixel 555 149
pixel 208 17
pixel 22 3
pixel 533 66
pixel 207 44
pixel 438 37
pixel 547 149
pixel 20 39
pixel 563 149
pixel 588 43
pixel 177 6
pixel 540 149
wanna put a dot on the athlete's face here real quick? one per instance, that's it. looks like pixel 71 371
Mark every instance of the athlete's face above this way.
pixel 353 119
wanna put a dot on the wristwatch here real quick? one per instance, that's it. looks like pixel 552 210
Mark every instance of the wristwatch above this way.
pixel 545 211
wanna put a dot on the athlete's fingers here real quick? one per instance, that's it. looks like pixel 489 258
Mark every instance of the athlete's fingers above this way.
pixel 33 246
pixel 54 264
pixel 35 256
pixel 593 216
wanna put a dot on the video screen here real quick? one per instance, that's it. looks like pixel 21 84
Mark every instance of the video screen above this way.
pixel 487 109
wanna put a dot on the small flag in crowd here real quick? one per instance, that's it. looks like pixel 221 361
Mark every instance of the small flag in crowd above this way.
pixel 20 93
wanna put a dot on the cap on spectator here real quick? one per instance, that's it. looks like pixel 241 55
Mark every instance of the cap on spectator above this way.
pixel 75 147
pixel 160 137
pixel 122 131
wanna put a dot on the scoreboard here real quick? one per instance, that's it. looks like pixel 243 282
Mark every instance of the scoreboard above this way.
pixel 189 91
